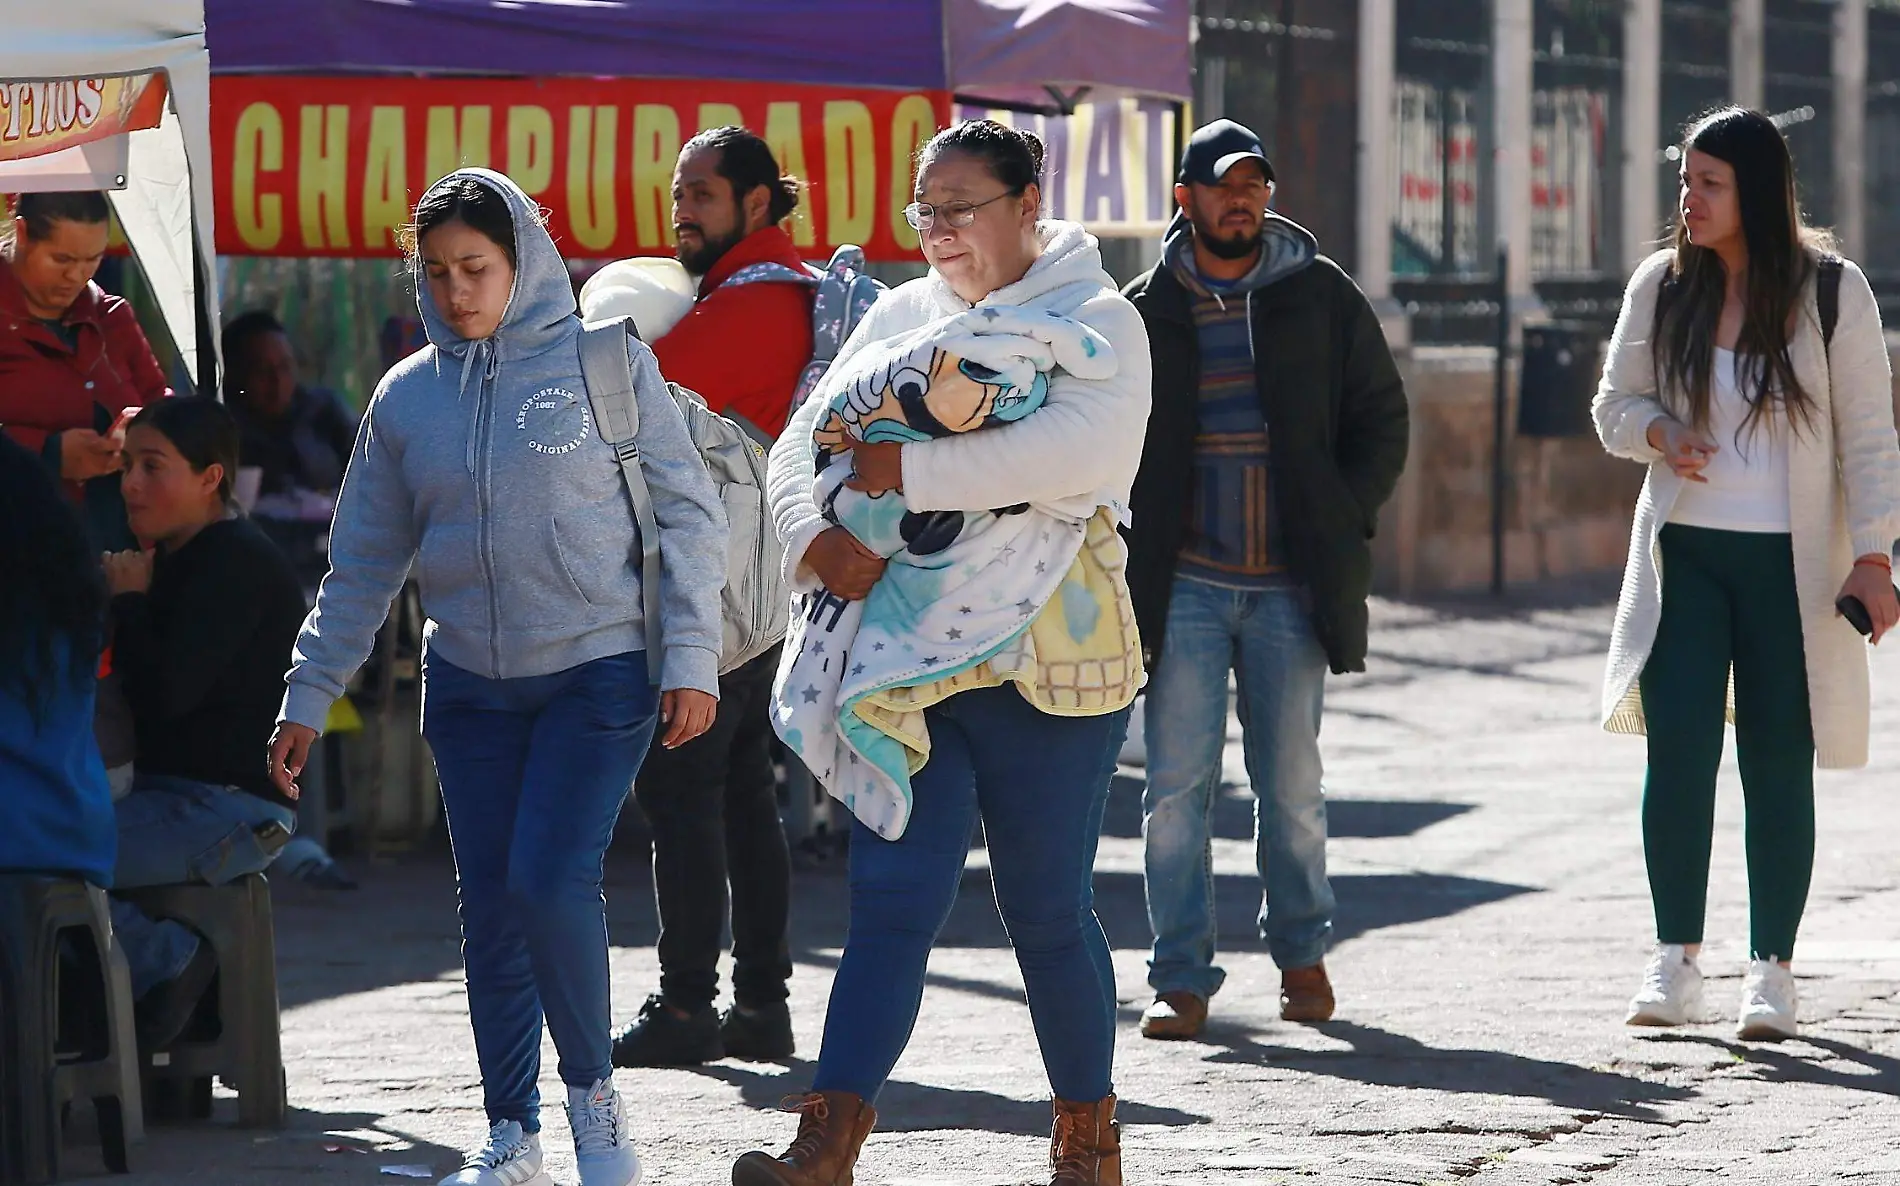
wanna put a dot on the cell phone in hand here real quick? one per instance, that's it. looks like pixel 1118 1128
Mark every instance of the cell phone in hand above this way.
pixel 1850 607
pixel 125 419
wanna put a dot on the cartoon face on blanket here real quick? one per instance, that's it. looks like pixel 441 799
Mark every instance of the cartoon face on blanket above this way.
pixel 918 396
pixel 959 586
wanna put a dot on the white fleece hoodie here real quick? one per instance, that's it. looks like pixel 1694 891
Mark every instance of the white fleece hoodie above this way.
pixel 1077 454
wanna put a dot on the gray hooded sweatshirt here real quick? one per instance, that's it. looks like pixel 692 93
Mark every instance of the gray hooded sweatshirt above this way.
pixel 478 464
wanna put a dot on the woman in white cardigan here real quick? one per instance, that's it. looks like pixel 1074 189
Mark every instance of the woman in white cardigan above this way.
pixel 1773 491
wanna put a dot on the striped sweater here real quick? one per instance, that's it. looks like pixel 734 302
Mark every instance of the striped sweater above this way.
pixel 1233 537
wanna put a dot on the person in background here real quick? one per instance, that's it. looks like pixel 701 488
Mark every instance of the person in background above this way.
pixel 712 804
pixel 202 627
pixel 58 809
pixel 479 465
pixel 298 436
pixel 729 206
pixel 1773 490
pixel 72 358
pixel 1279 429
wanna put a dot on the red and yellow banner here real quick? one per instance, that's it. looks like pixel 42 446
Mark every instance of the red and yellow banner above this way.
pixel 41 117
pixel 333 166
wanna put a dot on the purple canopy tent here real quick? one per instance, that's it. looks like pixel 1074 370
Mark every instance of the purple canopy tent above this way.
pixel 1024 54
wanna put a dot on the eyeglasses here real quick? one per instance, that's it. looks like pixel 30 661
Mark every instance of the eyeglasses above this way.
pixel 922 215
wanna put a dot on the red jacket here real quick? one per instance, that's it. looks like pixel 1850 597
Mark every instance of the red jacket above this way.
pixel 743 348
pixel 46 387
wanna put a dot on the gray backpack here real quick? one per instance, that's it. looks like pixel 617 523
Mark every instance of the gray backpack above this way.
pixel 755 605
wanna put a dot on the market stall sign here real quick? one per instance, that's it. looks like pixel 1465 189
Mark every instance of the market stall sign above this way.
pixel 37 118
pixel 1109 166
pixel 311 166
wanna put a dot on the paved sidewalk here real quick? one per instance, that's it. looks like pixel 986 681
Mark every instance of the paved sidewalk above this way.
pixel 1492 924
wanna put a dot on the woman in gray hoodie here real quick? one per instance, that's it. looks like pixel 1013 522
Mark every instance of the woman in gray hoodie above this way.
pixel 480 467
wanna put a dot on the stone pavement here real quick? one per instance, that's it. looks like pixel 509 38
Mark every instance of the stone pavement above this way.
pixel 1492 924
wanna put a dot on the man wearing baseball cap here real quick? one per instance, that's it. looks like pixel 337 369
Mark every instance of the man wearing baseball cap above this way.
pixel 1279 428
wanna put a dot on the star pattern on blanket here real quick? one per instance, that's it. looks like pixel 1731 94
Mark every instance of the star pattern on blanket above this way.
pixel 811 694
pixel 857 670
pixel 953 635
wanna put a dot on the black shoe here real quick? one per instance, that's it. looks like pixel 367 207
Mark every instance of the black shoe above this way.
pixel 759 1035
pixel 660 1037
pixel 163 1013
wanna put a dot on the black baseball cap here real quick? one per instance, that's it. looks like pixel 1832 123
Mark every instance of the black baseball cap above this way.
pixel 1218 147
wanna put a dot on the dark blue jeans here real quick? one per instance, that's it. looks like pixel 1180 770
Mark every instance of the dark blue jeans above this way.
pixel 534 772
pixel 1039 783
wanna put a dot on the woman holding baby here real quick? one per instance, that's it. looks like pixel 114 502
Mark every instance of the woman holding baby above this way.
pixel 949 497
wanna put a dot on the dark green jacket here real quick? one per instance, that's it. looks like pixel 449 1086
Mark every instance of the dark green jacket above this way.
pixel 1337 425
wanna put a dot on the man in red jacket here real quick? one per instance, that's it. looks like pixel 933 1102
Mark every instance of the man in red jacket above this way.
pixel 712 803
pixel 743 345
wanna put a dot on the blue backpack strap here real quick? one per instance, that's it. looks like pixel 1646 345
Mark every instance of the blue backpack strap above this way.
pixel 770 273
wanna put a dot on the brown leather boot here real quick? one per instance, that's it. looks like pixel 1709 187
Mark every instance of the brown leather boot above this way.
pixel 1306 994
pixel 1175 1015
pixel 1086 1147
pixel 831 1129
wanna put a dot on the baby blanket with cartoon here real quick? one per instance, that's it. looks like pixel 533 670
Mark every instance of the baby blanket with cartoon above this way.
pixel 959 588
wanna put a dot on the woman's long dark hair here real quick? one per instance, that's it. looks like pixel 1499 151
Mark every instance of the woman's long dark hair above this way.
pixel 52 588
pixel 1781 261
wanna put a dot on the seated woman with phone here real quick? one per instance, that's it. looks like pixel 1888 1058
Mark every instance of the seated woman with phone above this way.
pixel 201 631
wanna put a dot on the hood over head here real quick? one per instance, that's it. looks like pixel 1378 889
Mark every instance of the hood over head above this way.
pixel 1286 248
pixel 541 308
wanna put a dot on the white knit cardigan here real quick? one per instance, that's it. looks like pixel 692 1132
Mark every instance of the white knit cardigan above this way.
pixel 1843 494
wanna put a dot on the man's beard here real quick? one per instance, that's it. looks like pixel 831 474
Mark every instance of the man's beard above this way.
pixel 1238 246
pixel 702 259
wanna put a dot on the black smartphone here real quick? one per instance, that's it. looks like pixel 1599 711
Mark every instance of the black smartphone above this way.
pixel 1857 615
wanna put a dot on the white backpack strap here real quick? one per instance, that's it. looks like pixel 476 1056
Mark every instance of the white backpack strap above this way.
pixel 609 381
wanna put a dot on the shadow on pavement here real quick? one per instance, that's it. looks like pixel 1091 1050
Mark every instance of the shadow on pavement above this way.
pixel 914 1107
pixel 301 1150
pixel 401 927
pixel 1784 1063
pixel 1359 819
pixel 1367 902
pixel 1381 1058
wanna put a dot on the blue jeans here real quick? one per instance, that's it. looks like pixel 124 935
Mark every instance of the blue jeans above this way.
pixel 534 772
pixel 173 831
pixel 1266 638
pixel 1039 783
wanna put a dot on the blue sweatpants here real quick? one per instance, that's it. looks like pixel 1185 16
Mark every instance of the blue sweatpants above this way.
pixel 534 772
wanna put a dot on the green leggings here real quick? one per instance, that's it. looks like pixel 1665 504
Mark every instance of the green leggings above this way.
pixel 1728 597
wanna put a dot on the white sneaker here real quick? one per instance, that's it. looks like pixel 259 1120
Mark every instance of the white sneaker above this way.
pixel 603 1147
pixel 511 1158
pixel 1671 992
pixel 1769 1003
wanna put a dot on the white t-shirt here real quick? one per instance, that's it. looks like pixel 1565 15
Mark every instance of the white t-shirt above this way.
pixel 1747 487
